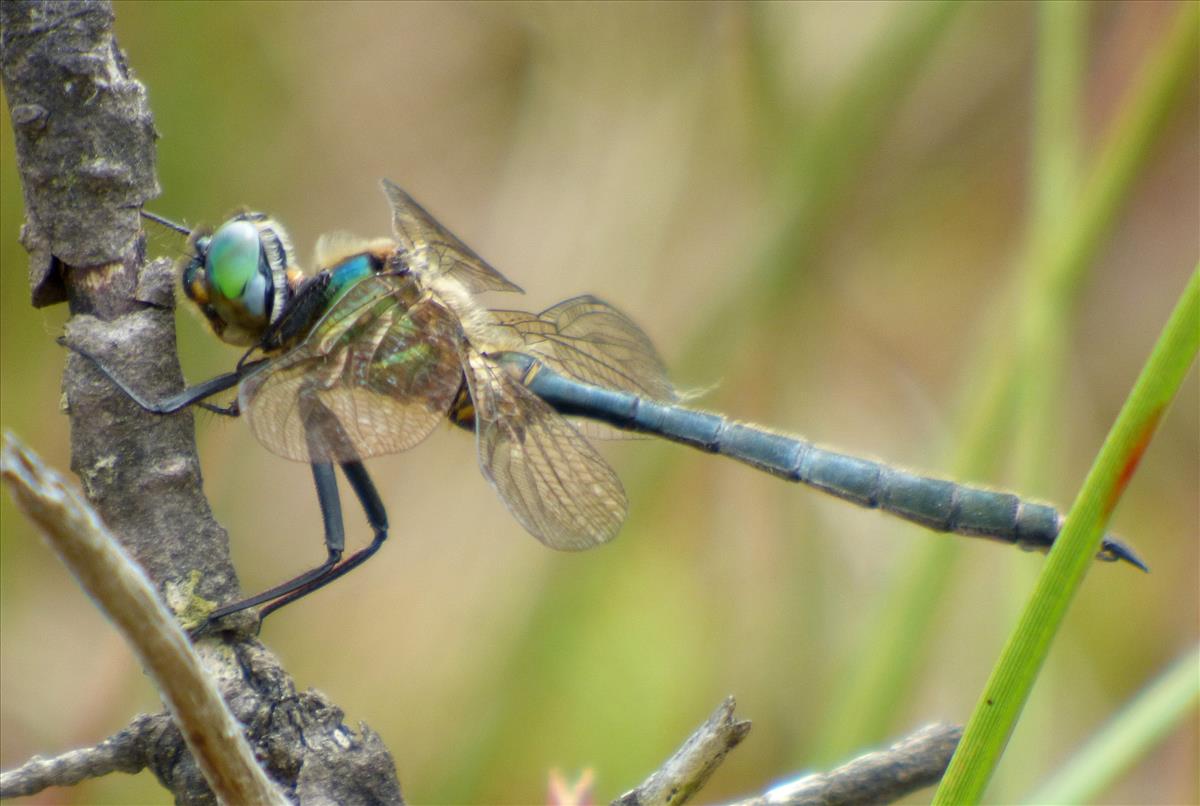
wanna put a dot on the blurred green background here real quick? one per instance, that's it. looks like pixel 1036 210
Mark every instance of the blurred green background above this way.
pixel 823 215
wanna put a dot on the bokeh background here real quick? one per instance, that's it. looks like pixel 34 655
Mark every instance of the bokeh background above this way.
pixel 823 214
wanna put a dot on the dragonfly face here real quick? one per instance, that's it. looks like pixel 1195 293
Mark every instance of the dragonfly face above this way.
pixel 241 277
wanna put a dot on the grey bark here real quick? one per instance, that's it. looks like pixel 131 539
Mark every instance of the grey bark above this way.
pixel 85 149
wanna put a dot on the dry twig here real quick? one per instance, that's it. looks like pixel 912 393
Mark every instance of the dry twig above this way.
pixel 915 762
pixel 687 770
pixel 126 596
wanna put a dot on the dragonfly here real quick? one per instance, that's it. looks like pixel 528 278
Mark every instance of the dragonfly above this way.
pixel 369 354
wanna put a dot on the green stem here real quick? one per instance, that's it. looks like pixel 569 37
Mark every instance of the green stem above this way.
pixel 1012 679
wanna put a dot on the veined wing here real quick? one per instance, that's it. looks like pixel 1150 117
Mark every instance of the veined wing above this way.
pixel 591 341
pixel 431 247
pixel 546 472
pixel 375 376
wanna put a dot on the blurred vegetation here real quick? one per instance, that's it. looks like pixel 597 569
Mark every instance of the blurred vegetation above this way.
pixel 823 214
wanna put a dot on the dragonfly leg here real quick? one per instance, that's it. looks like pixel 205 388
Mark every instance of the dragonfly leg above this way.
pixel 335 543
pixel 372 505
pixel 189 396
pixel 232 410
pixel 333 567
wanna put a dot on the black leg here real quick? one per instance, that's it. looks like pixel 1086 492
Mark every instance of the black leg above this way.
pixel 372 505
pixel 335 543
pixel 231 410
pixel 187 397
pixel 331 569
pixel 178 402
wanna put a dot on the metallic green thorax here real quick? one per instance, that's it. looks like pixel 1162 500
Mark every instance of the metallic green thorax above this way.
pixel 347 273
pixel 390 328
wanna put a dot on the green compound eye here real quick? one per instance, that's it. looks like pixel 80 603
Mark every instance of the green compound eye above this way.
pixel 233 266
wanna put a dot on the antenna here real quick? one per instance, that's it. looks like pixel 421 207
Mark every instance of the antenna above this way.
pixel 166 222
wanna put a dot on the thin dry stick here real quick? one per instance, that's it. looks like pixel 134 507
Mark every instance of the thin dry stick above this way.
pixel 685 772
pixel 125 751
pixel 915 762
pixel 114 754
pixel 125 595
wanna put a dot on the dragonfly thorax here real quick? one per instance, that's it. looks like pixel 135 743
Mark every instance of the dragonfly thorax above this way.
pixel 241 276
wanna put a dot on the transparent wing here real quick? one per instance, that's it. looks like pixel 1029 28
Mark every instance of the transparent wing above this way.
pixel 375 376
pixel 589 340
pixel 431 247
pixel 545 471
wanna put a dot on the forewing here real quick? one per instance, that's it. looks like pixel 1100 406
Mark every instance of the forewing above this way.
pixel 375 376
pixel 545 471
pixel 430 247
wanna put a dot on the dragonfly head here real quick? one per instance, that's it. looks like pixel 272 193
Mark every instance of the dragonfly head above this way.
pixel 241 276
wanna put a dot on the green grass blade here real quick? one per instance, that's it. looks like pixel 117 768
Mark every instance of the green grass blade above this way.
pixel 1129 735
pixel 1012 679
